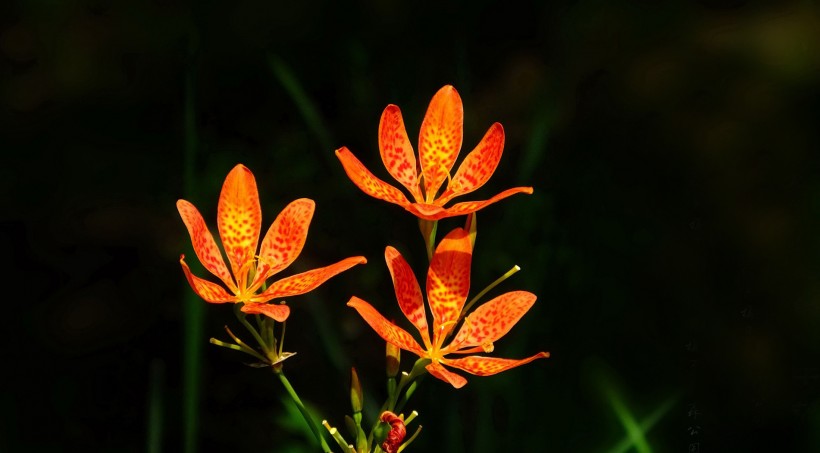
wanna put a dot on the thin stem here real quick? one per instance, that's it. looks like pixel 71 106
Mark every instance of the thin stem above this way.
pixel 244 346
pixel 235 347
pixel 411 439
pixel 282 338
pixel 262 327
pixel 194 319
pixel 399 406
pixel 337 436
pixel 305 414
pixel 484 291
pixel 419 368
pixel 242 318
pixel 428 232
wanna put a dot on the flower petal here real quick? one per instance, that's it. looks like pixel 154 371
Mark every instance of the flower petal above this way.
pixel 408 292
pixel 397 152
pixel 239 218
pixel 306 281
pixel 209 291
pixel 426 211
pixel 279 312
pixel 284 240
pixel 473 206
pixel 492 320
pixel 390 332
pixel 204 245
pixel 366 181
pixel 487 366
pixel 440 138
pixel 478 166
pixel 448 281
pixel 446 375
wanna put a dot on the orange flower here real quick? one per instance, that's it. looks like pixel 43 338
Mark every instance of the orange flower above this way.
pixel 439 145
pixel 239 219
pixel 448 282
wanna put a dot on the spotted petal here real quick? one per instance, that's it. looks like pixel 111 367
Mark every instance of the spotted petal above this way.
pixel 279 312
pixel 448 280
pixel 440 138
pixel 478 166
pixel 446 375
pixel 209 291
pixel 285 239
pixel 390 332
pixel 204 245
pixel 408 292
pixel 467 207
pixel 487 366
pixel 492 320
pixel 366 181
pixel 306 281
pixel 239 218
pixel 397 152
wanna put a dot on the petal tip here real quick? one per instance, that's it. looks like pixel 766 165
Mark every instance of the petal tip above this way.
pixel 448 88
pixel 353 302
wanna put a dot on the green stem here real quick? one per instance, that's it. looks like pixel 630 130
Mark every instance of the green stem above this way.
pixel 484 291
pixel 194 319
pixel 239 348
pixel 428 232
pixel 244 346
pixel 305 414
pixel 419 368
pixel 282 339
pixel 242 318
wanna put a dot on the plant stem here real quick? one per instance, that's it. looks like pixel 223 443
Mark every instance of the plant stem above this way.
pixel 419 368
pixel 428 232
pixel 305 414
pixel 484 291
pixel 241 317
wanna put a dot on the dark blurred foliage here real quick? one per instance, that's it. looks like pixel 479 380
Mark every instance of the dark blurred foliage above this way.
pixel 671 238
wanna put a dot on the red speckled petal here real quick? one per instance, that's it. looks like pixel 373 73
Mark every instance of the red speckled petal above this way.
pixel 440 138
pixel 445 375
pixel 209 291
pixel 467 207
pixel 306 281
pixel 204 244
pixel 492 320
pixel 397 152
pixel 239 218
pixel 279 312
pixel 408 292
pixel 390 332
pixel 448 280
pixel 366 181
pixel 478 166
pixel 487 366
pixel 426 211
pixel 284 240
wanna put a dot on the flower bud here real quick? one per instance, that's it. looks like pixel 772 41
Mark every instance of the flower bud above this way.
pixel 356 396
pixel 393 354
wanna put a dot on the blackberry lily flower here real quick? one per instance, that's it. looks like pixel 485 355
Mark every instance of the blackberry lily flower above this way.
pixel 239 220
pixel 439 144
pixel 448 283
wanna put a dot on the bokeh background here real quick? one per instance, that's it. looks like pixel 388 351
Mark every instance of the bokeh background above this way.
pixel 672 237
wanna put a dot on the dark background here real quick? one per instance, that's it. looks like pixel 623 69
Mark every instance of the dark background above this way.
pixel 671 238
